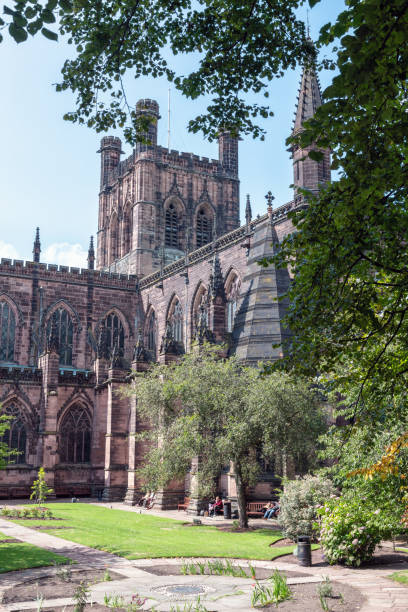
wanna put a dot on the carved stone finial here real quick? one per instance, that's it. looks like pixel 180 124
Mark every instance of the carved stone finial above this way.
pixel 91 255
pixel 140 353
pixel 216 279
pixel 102 344
pixel 269 198
pixel 37 246
pixel 53 344
pixel 168 344
pixel 248 210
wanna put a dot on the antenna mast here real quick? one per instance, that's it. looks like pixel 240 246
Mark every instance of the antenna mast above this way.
pixel 168 123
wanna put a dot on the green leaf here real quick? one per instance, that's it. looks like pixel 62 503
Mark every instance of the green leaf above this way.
pixel 66 5
pixel 312 3
pixel 19 34
pixel 316 155
pixel 48 34
pixel 7 11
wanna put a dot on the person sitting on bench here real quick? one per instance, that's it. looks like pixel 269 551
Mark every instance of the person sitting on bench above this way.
pixel 271 510
pixel 216 507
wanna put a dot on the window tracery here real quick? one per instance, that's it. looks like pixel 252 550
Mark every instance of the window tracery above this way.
pixel 151 333
pixel 204 228
pixel 75 436
pixel 7 332
pixel 115 335
pixel 171 228
pixel 176 321
pixel 16 436
pixel 60 323
pixel 232 303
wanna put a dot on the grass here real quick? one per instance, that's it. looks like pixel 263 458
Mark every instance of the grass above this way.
pixel 401 577
pixel 136 536
pixel 20 555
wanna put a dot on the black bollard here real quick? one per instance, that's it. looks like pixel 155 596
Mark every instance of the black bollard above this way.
pixel 304 551
pixel 227 509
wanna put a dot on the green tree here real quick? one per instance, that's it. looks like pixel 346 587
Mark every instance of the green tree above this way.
pixel 5 452
pixel 223 412
pixel 349 302
pixel 40 489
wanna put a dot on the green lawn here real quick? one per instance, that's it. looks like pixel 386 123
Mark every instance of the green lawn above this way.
pixel 401 577
pixel 135 536
pixel 17 556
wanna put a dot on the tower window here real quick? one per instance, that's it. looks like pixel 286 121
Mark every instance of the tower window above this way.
pixel 7 332
pixel 171 237
pixel 204 230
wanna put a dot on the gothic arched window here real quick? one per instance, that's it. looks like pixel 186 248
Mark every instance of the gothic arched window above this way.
pixel 7 332
pixel 151 333
pixel 115 334
pixel 204 228
pixel 16 436
pixel 176 321
pixel 61 322
pixel 171 229
pixel 232 303
pixel 75 437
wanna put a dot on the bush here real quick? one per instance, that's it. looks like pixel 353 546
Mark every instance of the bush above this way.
pixel 349 531
pixel 299 502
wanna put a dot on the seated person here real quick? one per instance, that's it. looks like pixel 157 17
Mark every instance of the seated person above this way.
pixel 272 510
pixel 216 507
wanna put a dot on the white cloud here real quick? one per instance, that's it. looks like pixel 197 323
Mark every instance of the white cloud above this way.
pixel 65 254
pixel 7 250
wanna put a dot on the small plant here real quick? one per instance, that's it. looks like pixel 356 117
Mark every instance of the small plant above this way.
pixel 17 513
pixel 107 577
pixel 280 589
pixel 35 512
pixel 114 601
pixel 252 571
pixel 325 588
pixel 190 607
pixel 39 601
pixel 40 489
pixel 49 514
pixel 26 512
pixel 64 573
pixel 80 596
pixel 323 602
pixel 136 603
pixel 235 525
pixel 5 511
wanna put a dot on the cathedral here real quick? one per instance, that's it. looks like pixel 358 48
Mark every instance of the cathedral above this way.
pixel 173 266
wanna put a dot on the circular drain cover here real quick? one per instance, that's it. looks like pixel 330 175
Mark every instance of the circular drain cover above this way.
pixel 185 589
pixel 182 591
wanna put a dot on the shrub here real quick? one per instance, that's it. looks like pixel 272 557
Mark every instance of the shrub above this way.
pixel 299 501
pixel 349 531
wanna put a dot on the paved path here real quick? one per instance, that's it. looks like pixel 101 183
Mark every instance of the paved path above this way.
pixel 381 594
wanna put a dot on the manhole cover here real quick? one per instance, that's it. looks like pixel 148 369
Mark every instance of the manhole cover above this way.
pixel 182 591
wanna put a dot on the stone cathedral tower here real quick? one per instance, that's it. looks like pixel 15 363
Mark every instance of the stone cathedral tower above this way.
pixel 158 204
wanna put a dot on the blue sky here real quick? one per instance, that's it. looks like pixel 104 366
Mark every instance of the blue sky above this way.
pixel 49 168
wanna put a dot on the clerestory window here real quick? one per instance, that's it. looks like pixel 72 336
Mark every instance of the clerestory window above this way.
pixel 204 229
pixel 7 332
pixel 61 321
pixel 171 232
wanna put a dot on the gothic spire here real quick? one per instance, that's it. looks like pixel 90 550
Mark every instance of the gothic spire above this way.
pixel 248 210
pixel 37 246
pixel 216 278
pixel 91 255
pixel 310 96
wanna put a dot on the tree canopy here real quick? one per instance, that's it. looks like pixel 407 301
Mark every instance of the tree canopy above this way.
pixel 223 412
pixel 349 302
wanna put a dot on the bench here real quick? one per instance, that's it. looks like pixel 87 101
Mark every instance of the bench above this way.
pixel 184 505
pixel 256 508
